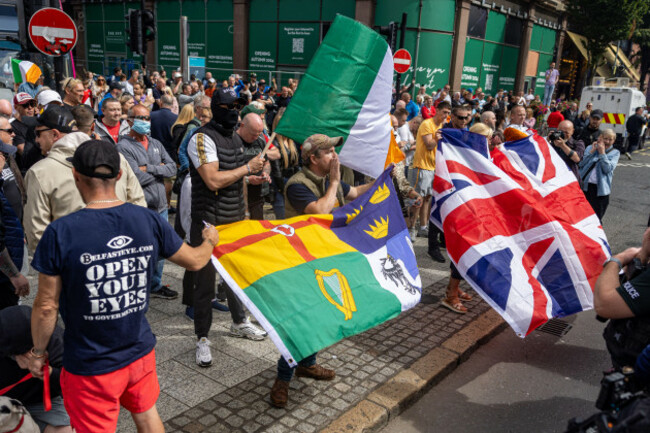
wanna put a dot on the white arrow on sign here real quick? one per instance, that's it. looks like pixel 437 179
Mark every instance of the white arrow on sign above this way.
pixel 50 33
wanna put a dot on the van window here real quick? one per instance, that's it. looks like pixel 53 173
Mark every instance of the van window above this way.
pixel 599 97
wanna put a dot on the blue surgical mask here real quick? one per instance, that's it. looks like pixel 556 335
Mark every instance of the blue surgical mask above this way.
pixel 141 127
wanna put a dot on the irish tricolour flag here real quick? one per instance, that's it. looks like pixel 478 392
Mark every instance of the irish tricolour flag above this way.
pixel 25 72
pixel 312 280
pixel 346 92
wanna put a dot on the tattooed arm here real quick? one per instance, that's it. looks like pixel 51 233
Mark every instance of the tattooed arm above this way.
pixel 17 279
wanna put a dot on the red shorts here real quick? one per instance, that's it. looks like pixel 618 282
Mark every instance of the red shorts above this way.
pixel 93 402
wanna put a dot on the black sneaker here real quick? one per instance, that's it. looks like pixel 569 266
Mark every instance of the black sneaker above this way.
pixel 164 293
pixel 436 255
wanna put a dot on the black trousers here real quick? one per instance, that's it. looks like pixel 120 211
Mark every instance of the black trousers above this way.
pixel 598 204
pixel 435 237
pixel 203 293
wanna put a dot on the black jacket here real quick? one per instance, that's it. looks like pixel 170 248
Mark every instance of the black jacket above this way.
pixel 16 339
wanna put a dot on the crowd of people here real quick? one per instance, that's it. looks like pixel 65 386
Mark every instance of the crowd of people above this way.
pixel 81 166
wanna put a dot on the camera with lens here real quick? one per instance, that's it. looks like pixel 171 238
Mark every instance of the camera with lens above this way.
pixel 556 135
pixel 623 406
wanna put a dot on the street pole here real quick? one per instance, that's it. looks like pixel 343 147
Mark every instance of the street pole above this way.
pixel 185 69
pixel 402 32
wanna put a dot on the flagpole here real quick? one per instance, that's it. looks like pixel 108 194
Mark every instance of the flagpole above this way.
pixel 268 144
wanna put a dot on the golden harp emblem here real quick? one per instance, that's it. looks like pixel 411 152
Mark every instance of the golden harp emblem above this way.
pixel 333 284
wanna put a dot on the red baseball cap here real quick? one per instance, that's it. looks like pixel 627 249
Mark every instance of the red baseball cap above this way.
pixel 22 98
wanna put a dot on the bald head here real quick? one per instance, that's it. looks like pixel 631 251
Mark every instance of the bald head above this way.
pixel 490 119
pixel 566 126
pixel 393 121
pixel 5 108
pixel 251 127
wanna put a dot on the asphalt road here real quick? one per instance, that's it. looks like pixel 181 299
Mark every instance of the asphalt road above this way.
pixel 536 384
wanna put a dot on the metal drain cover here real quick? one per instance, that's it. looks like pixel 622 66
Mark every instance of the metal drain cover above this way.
pixel 556 327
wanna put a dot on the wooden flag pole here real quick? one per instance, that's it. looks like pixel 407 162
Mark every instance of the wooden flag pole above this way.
pixel 268 144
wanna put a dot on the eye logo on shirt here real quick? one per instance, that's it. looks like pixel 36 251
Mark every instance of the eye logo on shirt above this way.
pixel 119 242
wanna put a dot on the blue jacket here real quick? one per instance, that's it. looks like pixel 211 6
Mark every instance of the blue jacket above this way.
pixel 413 109
pixel 13 236
pixel 605 165
pixel 161 129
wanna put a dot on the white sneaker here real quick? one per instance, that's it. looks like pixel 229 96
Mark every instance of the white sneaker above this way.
pixel 247 330
pixel 203 353
pixel 413 233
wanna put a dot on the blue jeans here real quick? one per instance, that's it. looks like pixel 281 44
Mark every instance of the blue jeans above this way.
pixel 156 280
pixel 286 373
pixel 548 93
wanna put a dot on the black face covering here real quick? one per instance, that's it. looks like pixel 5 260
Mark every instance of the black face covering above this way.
pixel 225 117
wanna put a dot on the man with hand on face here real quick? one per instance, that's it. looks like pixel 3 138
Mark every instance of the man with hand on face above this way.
pixel 569 149
pixel 316 189
pixel 111 126
pixel 151 164
pixel 218 167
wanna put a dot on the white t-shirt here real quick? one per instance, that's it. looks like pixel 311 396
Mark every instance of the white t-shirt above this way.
pixel 201 150
pixel 593 176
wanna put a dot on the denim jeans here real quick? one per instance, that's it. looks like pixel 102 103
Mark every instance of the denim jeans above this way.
pixel 286 373
pixel 548 93
pixel 156 280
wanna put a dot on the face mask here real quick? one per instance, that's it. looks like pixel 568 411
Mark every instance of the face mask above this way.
pixel 225 117
pixel 141 127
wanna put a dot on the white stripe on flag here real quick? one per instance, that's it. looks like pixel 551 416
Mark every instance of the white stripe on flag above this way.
pixel 52 32
pixel 366 147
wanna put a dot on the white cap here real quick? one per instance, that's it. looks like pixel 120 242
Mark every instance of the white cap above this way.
pixel 48 96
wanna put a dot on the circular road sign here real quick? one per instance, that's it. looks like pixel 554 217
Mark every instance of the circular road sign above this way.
pixel 52 31
pixel 401 61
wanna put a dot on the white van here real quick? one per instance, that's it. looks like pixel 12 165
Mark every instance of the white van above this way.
pixel 617 104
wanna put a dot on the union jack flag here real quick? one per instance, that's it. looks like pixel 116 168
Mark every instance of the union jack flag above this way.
pixel 517 227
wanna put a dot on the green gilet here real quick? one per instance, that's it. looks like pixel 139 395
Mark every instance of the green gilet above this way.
pixel 315 183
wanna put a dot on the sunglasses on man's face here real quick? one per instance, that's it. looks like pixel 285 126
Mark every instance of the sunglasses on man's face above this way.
pixel 31 104
pixel 462 117
pixel 8 130
pixel 142 117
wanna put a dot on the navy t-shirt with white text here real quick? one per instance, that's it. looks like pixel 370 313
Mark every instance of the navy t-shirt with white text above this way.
pixel 105 258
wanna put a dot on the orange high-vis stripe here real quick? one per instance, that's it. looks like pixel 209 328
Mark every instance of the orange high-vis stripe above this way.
pixel 614 118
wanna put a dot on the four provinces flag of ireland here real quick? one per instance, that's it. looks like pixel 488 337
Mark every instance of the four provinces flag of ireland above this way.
pixel 313 280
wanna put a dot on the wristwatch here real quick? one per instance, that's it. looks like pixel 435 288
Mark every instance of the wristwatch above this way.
pixel 615 260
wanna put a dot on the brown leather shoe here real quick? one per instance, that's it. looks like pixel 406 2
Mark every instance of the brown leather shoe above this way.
pixel 280 393
pixel 316 371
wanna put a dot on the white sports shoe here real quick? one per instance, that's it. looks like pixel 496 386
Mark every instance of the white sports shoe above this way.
pixel 413 233
pixel 203 353
pixel 247 330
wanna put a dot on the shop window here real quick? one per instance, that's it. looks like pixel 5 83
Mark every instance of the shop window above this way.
pixel 477 22
pixel 514 29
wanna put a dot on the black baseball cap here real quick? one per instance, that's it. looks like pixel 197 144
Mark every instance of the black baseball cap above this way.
pixel 227 96
pixel 597 113
pixel 93 154
pixel 57 117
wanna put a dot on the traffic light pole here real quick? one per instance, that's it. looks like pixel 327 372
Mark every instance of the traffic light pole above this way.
pixel 144 43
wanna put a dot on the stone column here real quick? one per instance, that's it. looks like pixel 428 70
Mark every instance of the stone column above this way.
pixel 365 12
pixel 560 41
pixel 524 49
pixel 240 34
pixel 152 46
pixel 460 41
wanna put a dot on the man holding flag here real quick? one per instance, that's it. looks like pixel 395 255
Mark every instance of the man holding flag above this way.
pixel 317 189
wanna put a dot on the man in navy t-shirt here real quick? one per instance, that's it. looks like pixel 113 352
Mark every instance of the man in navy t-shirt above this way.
pixel 96 266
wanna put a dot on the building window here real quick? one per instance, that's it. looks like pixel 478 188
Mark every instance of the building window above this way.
pixel 477 22
pixel 514 29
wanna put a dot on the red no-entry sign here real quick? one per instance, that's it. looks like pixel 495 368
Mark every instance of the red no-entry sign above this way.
pixel 401 61
pixel 52 31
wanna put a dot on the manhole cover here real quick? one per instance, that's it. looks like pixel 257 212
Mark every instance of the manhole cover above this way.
pixel 555 327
